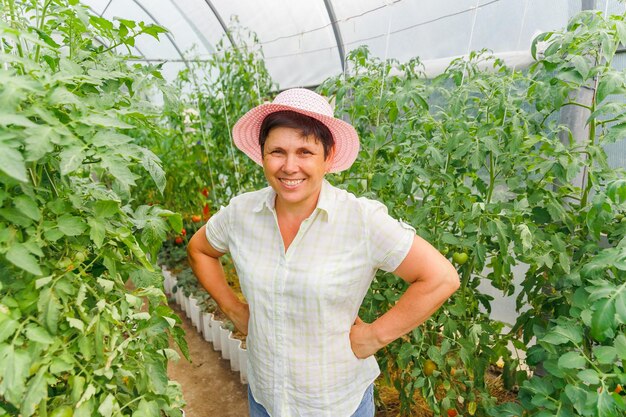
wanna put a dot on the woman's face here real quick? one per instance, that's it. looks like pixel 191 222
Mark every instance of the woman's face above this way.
pixel 294 166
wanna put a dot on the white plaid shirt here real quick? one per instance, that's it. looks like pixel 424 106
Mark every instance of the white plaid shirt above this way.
pixel 304 302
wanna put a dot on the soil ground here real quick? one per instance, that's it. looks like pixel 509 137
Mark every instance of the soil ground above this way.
pixel 210 388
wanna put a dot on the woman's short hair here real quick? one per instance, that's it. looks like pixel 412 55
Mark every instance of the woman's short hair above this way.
pixel 307 125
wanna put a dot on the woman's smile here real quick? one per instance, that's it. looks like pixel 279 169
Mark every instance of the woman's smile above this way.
pixel 294 166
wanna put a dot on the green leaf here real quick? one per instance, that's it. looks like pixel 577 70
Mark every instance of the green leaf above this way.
pixel 27 206
pixel 50 309
pixel 605 354
pixel 119 169
pixel 153 30
pixel 151 163
pixel 157 375
pixel 46 38
pixel 146 409
pixel 97 231
pixel 7 327
pixel 620 305
pixel 38 334
pixel 12 163
pixel 608 84
pixel 106 208
pixel 620 346
pixel 525 236
pixel 572 360
pixel 105 121
pixel 605 405
pixel 76 323
pixel 176 221
pixel 616 190
pixel 577 396
pixel 15 120
pixel 106 284
pixel 563 334
pixel 89 392
pixel 603 318
pixel 71 225
pixel 108 406
pixel 14 374
pixel 36 391
pixel 38 142
pixel 589 376
pixel 108 139
pixel 71 159
pixel 19 256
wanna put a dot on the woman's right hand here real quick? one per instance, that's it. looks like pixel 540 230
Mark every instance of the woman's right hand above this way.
pixel 240 315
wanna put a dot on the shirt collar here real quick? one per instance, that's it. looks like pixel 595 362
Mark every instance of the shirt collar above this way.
pixel 325 201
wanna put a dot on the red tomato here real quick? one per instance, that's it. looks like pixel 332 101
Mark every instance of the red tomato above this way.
pixel 205 210
pixel 452 412
pixel 183 232
pixel 178 240
pixel 205 192
pixel 196 218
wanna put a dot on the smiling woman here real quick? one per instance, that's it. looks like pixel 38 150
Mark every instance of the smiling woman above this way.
pixel 294 166
pixel 306 253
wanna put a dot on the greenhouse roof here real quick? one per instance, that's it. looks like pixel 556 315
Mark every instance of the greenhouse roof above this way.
pixel 306 41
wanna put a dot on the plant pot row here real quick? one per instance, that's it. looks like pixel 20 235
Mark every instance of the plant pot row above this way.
pixel 211 329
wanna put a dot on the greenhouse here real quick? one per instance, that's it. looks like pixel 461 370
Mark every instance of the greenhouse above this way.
pixel 312 208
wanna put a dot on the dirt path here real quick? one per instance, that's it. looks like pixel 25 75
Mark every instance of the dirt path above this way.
pixel 210 388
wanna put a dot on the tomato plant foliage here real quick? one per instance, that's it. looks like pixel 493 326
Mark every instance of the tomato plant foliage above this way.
pixel 72 333
pixel 481 164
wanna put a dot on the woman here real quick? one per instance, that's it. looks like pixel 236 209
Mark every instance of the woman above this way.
pixel 306 253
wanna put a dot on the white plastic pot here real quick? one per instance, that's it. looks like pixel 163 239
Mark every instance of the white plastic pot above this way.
pixel 207 332
pixel 179 297
pixel 243 364
pixel 233 347
pixel 215 330
pixel 194 313
pixel 186 307
pixel 224 333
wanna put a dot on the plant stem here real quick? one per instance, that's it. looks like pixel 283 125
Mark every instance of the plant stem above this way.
pixel 40 26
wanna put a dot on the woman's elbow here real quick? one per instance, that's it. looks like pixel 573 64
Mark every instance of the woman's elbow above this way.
pixel 452 280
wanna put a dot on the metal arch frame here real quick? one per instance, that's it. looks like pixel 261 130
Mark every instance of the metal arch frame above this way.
pixel 169 37
pixel 337 32
pixel 195 29
pixel 221 21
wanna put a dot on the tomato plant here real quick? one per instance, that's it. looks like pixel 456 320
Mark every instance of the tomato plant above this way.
pixel 478 162
pixel 74 339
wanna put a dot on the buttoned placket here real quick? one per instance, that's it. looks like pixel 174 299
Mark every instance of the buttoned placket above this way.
pixel 279 312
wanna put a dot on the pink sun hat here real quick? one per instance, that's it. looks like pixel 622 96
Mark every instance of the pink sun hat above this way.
pixel 246 131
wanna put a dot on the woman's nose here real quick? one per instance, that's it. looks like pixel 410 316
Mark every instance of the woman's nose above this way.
pixel 291 164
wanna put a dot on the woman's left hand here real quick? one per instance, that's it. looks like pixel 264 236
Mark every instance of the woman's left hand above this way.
pixel 363 340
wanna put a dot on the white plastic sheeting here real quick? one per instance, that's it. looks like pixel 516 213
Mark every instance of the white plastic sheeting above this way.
pixel 303 44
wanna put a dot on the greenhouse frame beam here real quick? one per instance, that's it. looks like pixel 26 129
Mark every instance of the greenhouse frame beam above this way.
pixel 222 24
pixel 194 28
pixel 141 6
pixel 337 32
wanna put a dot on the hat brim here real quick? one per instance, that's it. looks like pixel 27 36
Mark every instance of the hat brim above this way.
pixel 247 129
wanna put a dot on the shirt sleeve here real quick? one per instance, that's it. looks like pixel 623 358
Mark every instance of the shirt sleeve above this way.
pixel 217 230
pixel 389 239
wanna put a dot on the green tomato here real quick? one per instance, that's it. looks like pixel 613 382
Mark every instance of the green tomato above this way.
pixel 80 257
pixel 460 257
pixel 63 411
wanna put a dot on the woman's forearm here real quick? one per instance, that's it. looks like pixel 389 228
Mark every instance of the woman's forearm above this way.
pixel 413 308
pixel 210 273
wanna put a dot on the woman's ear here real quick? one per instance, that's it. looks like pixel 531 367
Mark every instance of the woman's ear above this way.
pixel 329 159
